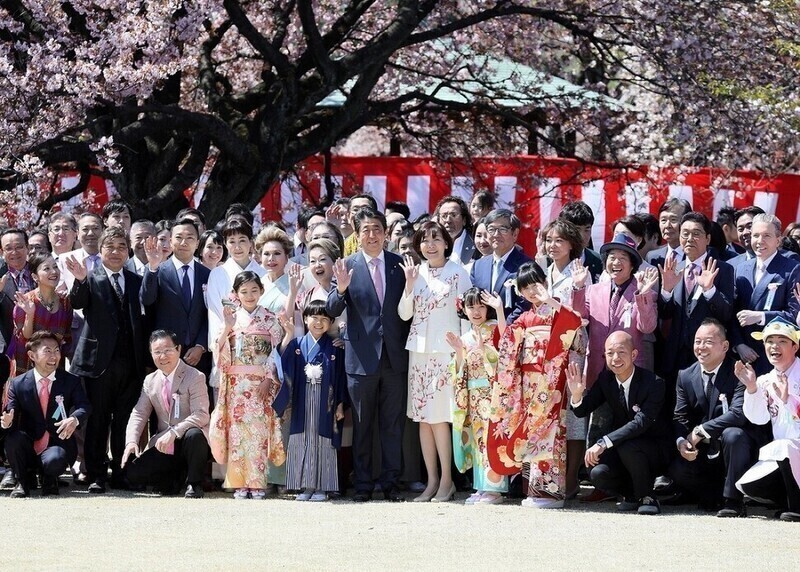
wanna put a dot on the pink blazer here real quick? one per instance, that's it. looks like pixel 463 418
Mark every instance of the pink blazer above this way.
pixel 636 314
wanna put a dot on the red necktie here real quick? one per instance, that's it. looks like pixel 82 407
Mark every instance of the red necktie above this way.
pixel 44 398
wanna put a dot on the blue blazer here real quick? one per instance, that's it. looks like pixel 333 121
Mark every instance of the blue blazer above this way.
pixel 23 398
pixel 782 271
pixel 481 276
pixel 678 352
pixel 370 326
pixel 161 295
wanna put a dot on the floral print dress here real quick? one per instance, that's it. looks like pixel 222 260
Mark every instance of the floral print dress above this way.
pixel 245 433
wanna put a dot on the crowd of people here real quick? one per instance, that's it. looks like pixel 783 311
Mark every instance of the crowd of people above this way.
pixel 369 351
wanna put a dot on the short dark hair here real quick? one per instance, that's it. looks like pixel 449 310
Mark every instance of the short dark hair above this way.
pixel 92 215
pixel 163 334
pixel 634 224
pixel 240 209
pixel 316 308
pixel 650 223
pixel 675 202
pixel 496 214
pixel 189 211
pixel 306 214
pixel 244 277
pixel 36 260
pixel 42 232
pixel 569 232
pixel 15 230
pixel 112 233
pixel 726 216
pixel 216 238
pixel 400 207
pixel 38 337
pixel 698 218
pixel 166 224
pixel 115 206
pixel 371 199
pixel 366 213
pixel 717 324
pixel 464 207
pixel 433 228
pixel 186 222
pixel 578 213
pixel 485 199
pixel 472 297
pixel 237 225
pixel 751 210
pixel 530 273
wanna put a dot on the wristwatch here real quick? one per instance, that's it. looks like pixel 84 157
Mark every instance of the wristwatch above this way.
pixel 601 442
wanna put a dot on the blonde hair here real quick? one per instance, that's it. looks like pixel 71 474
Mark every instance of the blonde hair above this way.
pixel 274 234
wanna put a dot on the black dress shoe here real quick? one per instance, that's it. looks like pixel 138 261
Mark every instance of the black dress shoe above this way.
pixel 662 484
pixel 19 492
pixel 732 509
pixel 362 496
pixel 9 480
pixel 49 486
pixel 97 488
pixel 194 492
pixel 393 495
pixel 790 516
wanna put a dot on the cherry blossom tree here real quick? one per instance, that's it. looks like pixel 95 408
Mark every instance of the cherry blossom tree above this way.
pixel 145 92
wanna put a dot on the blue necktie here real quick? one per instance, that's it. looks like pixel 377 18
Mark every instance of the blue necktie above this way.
pixel 186 288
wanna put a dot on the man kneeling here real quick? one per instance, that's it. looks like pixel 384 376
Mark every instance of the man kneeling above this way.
pixel 45 406
pixel 179 450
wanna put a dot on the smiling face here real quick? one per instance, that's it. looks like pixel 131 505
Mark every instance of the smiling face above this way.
pixel 164 240
pixel 249 293
pixel 557 247
pixel 618 266
pixel 114 253
pixel 273 259
pixel 620 355
pixel 321 265
pixel 432 247
pixel 476 210
pixel 501 236
pixel 46 357
pixel 710 346
pixel 694 240
pixel 371 235
pixel 476 314
pixel 764 240
pixel 48 274
pixel 482 242
pixel 744 225
pixel 89 230
pixel 317 325
pixel 15 250
pixel 669 222
pixel 140 233
pixel 165 354
pixel 781 351
pixel 239 247
pixel 212 253
pixel 183 241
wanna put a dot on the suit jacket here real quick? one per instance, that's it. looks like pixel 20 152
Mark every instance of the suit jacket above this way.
pixel 371 326
pixel 745 256
pixel 23 398
pixel 693 409
pixel 686 317
pixel 189 385
pixel 656 257
pixel 96 297
pixel 7 303
pixel 467 249
pixel 481 277
pixel 161 296
pixel 593 262
pixel 593 303
pixel 783 273
pixel 644 415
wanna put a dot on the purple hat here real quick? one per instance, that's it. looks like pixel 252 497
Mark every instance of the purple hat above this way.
pixel 625 243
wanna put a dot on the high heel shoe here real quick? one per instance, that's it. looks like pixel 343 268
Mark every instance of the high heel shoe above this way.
pixel 446 497
pixel 424 498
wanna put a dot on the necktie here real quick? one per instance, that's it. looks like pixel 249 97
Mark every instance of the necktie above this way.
pixel 495 273
pixel 759 272
pixel 186 288
pixel 690 279
pixel 44 398
pixel 709 385
pixel 91 263
pixel 117 287
pixel 615 299
pixel 377 279
pixel 622 396
pixel 166 390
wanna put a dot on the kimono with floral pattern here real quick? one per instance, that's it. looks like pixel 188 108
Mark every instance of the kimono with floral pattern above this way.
pixel 527 418
pixel 245 433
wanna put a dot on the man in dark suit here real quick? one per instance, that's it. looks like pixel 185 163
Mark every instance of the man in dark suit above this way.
pixel 670 214
pixel 626 460
pixel 45 406
pixel 453 214
pixel 691 291
pixel 14 277
pixel 580 214
pixel 110 354
pixel 494 273
pixel 369 285
pixel 764 290
pixel 172 292
pixel 708 418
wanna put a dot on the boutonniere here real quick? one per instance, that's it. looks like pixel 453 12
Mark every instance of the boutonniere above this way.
pixel 636 409
pixel 771 287
pixel 176 399
pixel 60 413
pixel 313 372
pixel 724 400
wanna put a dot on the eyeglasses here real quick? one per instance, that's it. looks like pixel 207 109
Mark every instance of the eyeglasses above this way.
pixel 166 352
pixel 449 215
pixel 493 230
pixel 696 234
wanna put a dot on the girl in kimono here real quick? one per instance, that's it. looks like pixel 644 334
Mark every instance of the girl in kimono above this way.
pixel 474 369
pixel 527 427
pixel 315 385
pixel 775 398
pixel 245 432
pixel 429 301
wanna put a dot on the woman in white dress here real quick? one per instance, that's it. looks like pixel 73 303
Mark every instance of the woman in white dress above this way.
pixel 429 300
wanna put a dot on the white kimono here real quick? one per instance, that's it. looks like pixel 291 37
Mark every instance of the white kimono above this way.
pixel 764 406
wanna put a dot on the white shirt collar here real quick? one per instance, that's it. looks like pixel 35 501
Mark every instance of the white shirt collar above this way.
pixel 504 257
pixel 109 272
pixel 38 377
pixel 697 262
pixel 627 383
pixel 369 258
pixel 767 262
pixel 179 265
pixel 715 371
